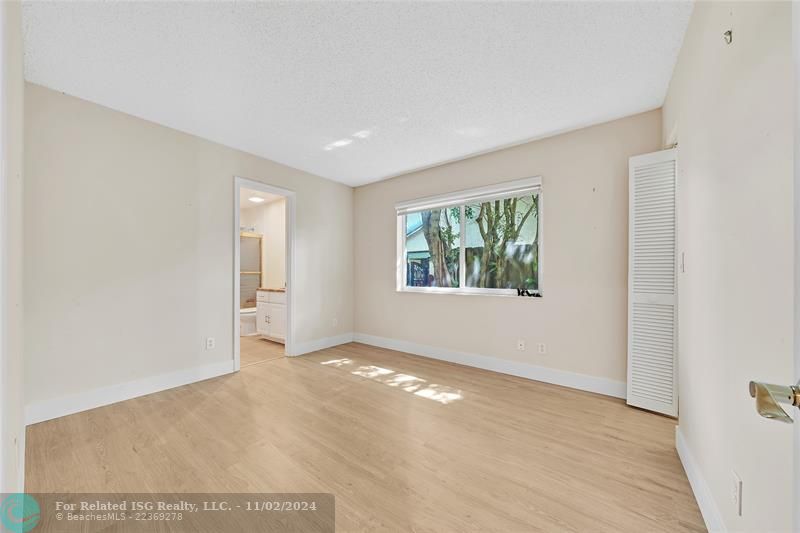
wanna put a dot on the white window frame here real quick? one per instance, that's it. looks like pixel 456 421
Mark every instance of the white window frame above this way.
pixel 499 191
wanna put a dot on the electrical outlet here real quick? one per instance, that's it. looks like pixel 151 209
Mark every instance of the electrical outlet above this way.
pixel 521 345
pixel 542 348
pixel 736 492
pixel 210 343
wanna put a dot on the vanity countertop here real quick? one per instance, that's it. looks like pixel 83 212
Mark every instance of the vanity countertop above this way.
pixel 271 290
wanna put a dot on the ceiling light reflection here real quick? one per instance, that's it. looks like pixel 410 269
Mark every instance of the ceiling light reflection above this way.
pixel 337 144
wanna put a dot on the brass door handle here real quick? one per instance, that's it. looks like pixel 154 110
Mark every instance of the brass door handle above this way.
pixel 768 396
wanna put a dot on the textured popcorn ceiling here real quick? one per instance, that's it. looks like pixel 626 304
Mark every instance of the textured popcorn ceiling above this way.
pixel 358 92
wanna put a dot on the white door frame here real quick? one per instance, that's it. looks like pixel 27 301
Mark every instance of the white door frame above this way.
pixel 796 61
pixel 240 183
pixel 4 250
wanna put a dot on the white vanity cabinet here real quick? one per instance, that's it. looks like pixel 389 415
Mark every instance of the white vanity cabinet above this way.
pixel 271 314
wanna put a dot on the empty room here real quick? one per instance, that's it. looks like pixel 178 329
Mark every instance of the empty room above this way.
pixel 399 266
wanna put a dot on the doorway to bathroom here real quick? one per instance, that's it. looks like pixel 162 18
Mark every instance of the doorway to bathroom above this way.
pixel 263 231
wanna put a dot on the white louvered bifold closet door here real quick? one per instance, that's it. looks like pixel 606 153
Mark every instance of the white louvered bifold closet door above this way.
pixel 652 305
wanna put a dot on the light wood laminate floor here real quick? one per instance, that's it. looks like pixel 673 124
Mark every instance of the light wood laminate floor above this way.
pixel 405 443
pixel 254 349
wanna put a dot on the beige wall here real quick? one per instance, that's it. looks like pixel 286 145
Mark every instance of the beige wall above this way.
pixel 12 429
pixel 730 109
pixel 583 314
pixel 129 247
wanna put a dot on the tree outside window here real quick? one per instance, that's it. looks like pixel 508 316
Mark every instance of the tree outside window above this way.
pixel 500 249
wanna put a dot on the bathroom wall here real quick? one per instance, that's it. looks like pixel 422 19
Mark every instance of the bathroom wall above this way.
pixel 270 220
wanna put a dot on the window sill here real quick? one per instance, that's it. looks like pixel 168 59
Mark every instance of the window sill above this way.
pixel 503 293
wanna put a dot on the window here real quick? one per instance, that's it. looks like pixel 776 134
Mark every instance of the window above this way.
pixel 480 241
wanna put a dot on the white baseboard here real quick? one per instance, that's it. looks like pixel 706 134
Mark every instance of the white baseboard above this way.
pixel 67 405
pixel 21 459
pixel 75 403
pixel 573 380
pixel 301 348
pixel 702 492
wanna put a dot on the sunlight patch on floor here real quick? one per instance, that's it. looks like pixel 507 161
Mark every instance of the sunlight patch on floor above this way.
pixel 372 371
pixel 440 393
pixel 338 362
pixel 418 386
pixel 404 381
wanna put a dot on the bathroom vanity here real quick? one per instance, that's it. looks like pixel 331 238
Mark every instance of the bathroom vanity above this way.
pixel 271 314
